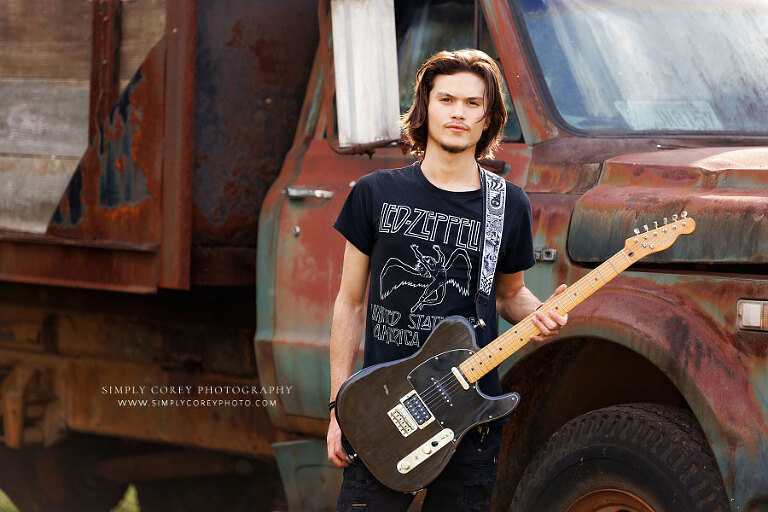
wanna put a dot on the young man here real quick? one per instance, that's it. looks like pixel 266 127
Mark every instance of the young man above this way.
pixel 417 233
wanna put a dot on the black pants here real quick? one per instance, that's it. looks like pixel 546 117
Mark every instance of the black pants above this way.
pixel 466 484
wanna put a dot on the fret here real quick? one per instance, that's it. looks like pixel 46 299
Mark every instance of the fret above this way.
pixel 575 299
pixel 601 274
pixel 590 281
pixel 488 355
pixel 563 308
pixel 629 260
pixel 614 268
pixel 503 347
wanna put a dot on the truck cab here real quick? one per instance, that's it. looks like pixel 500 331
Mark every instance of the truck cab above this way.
pixel 619 115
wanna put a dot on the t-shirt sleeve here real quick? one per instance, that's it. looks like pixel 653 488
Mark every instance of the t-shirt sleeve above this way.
pixel 355 220
pixel 518 251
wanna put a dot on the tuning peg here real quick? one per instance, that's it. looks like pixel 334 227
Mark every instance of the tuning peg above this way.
pixel 637 231
pixel 674 218
pixel 655 225
pixel 645 227
pixel 684 214
pixel 665 221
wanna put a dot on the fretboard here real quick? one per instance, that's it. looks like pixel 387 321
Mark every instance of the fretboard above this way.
pixel 515 338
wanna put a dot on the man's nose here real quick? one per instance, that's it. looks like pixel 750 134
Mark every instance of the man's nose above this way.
pixel 458 111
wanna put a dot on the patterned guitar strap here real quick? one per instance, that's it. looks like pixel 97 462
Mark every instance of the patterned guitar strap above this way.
pixel 495 198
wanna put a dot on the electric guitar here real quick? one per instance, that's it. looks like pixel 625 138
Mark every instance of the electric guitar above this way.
pixel 405 418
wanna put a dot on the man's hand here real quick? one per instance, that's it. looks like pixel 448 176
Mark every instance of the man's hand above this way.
pixel 549 322
pixel 336 453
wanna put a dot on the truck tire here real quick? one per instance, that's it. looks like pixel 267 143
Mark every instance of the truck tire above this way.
pixel 626 458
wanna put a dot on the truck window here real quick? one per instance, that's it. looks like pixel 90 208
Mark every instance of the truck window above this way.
pixel 428 27
pixel 657 66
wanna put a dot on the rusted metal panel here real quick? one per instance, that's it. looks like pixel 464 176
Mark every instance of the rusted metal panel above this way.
pixel 62 262
pixel 106 227
pixel 13 404
pixel 723 189
pixel 243 132
pixel 309 268
pixel 212 419
pixel 105 61
pixel 178 150
pixel 115 192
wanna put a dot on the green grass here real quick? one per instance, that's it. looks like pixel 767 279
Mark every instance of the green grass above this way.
pixel 129 503
pixel 6 505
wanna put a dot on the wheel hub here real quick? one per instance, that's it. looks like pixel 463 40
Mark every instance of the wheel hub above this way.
pixel 609 500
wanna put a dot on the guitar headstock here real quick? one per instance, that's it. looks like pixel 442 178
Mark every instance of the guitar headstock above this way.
pixel 659 237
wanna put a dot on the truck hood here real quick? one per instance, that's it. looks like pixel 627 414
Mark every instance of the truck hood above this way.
pixel 725 190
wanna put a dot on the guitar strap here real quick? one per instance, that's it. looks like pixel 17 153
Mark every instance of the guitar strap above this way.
pixel 495 198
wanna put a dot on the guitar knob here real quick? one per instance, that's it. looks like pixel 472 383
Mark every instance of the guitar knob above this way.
pixel 674 218
pixel 665 221
pixel 645 227
pixel 427 450
pixel 405 465
pixel 655 225
pixel 637 231
pixel 684 214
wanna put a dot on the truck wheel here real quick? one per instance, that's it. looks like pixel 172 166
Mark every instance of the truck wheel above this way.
pixel 626 458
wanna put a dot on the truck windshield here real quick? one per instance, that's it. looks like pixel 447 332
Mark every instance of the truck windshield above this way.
pixel 686 66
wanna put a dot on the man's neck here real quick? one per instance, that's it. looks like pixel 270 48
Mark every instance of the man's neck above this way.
pixel 455 172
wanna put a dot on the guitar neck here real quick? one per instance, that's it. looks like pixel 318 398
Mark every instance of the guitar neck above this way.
pixel 515 338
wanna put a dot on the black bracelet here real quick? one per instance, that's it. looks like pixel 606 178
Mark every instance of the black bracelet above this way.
pixel 332 405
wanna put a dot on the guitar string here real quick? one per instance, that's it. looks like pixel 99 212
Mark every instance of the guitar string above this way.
pixel 434 401
pixel 433 390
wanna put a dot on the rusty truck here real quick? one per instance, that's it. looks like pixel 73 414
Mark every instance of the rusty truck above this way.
pixel 169 174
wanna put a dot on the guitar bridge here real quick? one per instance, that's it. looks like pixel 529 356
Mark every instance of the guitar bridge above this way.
pixel 410 414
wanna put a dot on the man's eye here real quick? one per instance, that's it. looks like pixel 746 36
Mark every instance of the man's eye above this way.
pixel 474 103
pixel 445 100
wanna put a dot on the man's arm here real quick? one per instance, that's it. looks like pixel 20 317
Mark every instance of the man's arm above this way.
pixel 514 301
pixel 346 331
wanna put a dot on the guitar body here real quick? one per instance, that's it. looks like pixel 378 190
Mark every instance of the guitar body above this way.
pixel 405 418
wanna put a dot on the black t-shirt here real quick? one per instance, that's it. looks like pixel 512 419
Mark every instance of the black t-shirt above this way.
pixel 425 245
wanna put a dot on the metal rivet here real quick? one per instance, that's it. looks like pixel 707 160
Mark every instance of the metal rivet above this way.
pixel 296 230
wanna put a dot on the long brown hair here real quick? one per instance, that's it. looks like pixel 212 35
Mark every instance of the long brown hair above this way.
pixel 414 122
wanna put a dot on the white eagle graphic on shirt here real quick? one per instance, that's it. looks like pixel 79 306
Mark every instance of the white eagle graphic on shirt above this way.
pixel 430 273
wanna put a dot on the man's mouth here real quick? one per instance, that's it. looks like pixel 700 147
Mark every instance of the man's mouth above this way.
pixel 457 127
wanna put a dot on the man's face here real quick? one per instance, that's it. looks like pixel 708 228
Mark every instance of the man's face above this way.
pixel 456 112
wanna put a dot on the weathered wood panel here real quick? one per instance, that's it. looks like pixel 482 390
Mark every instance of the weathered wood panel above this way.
pixel 43 117
pixel 30 190
pixel 143 26
pixel 45 38
pixel 52 38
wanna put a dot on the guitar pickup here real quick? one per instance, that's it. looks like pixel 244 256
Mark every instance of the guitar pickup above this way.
pixel 410 414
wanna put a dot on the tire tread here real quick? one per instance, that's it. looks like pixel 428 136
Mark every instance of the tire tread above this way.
pixel 669 435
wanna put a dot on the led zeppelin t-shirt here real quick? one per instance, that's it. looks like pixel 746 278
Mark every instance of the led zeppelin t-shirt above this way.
pixel 425 245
